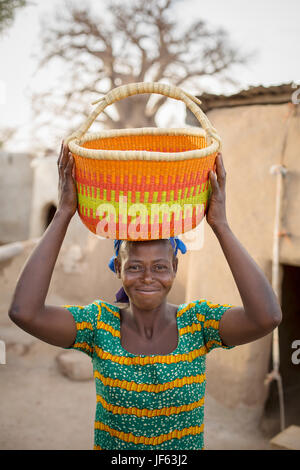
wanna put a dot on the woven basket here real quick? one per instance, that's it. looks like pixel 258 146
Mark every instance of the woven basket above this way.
pixel 144 183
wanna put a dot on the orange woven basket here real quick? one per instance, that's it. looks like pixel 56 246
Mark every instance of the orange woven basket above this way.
pixel 144 183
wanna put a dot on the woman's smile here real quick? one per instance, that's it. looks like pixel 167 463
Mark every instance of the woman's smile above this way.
pixel 148 291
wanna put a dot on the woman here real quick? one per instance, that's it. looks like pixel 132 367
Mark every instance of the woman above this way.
pixel 148 355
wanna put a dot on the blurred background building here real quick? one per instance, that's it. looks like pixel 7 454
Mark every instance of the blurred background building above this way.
pixel 260 130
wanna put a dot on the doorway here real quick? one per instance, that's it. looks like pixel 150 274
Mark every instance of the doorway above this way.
pixel 49 214
pixel 289 368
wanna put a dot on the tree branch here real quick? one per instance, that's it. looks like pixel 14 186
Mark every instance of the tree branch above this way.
pixel 141 42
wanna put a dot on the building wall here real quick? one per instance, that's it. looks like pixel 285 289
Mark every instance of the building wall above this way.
pixel 44 193
pixel 15 194
pixel 252 138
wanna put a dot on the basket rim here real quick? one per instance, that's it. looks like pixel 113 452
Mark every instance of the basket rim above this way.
pixel 99 154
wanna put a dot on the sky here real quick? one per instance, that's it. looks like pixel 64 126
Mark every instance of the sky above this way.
pixel 270 28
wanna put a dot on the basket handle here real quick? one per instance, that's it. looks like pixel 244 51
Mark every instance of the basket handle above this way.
pixel 147 87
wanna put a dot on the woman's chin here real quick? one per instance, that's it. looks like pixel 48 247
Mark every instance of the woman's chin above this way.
pixel 151 293
pixel 140 297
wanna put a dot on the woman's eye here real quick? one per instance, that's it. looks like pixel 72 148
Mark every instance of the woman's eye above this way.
pixel 157 267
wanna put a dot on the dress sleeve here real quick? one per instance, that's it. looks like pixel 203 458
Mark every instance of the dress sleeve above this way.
pixel 210 314
pixel 85 319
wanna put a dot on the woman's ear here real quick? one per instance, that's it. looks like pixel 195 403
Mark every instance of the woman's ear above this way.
pixel 117 267
pixel 175 264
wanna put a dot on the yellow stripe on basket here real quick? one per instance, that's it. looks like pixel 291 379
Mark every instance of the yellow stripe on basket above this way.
pixel 141 412
pixel 155 440
pixel 152 388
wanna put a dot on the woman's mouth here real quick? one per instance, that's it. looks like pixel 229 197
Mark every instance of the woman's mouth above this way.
pixel 147 291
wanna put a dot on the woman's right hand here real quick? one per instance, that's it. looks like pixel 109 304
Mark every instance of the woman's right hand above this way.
pixel 67 194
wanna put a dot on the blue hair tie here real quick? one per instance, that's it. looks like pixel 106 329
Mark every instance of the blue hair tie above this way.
pixel 111 263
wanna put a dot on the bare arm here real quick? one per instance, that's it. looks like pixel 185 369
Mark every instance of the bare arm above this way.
pixel 54 325
pixel 261 312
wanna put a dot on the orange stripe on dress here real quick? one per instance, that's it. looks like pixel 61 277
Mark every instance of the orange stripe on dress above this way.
pixel 190 329
pixel 110 310
pixel 184 309
pixel 153 388
pixel 211 324
pixel 84 325
pixel 104 326
pixel 77 306
pixel 84 346
pixel 155 440
pixel 187 329
pixel 163 359
pixel 141 412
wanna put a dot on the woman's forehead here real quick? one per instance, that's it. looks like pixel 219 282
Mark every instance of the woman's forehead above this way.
pixel 146 249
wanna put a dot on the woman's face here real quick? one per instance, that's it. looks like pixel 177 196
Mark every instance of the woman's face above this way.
pixel 147 270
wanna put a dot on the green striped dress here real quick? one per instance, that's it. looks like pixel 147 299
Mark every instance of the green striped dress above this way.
pixel 148 402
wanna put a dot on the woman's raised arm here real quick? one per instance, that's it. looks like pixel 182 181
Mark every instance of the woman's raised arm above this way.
pixel 54 325
pixel 261 312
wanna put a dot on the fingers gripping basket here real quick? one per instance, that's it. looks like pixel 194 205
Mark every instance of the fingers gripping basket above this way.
pixel 144 183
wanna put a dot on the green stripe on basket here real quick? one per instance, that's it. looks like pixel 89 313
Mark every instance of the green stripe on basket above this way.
pixel 188 193
pixel 90 203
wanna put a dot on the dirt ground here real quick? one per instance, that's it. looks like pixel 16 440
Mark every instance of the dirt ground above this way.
pixel 42 409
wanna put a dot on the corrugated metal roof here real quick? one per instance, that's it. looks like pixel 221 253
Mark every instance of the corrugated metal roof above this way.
pixel 275 94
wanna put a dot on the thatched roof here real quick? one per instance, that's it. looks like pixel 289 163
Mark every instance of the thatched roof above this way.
pixel 253 95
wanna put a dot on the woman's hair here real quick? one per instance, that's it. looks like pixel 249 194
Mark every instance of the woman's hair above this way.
pixel 127 243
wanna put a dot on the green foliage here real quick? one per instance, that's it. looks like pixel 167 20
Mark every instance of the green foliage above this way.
pixel 8 10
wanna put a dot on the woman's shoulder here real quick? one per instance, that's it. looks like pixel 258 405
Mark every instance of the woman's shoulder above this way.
pixel 97 308
pixel 107 305
pixel 191 305
pixel 201 303
pixel 187 311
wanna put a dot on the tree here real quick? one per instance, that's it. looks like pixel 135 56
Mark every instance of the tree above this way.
pixel 8 10
pixel 140 42
pixel 6 133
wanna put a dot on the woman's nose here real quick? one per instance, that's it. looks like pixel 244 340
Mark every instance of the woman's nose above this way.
pixel 147 274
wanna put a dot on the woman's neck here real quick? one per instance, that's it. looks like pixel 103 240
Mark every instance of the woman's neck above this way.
pixel 147 322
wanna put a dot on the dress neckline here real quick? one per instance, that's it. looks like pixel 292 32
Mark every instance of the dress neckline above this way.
pixel 152 355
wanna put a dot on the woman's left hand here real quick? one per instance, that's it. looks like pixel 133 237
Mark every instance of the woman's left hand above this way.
pixel 216 214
